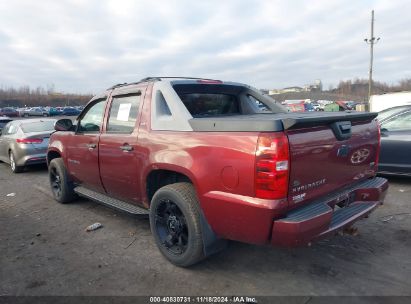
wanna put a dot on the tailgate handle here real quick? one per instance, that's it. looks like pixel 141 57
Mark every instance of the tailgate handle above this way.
pixel 342 129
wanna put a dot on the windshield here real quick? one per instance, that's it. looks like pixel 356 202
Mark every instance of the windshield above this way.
pixel 38 126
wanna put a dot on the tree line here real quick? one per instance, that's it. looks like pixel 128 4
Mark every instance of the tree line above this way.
pixel 356 89
pixel 26 96
pixel 359 87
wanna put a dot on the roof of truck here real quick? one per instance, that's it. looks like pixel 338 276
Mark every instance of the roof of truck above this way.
pixel 180 79
pixel 175 78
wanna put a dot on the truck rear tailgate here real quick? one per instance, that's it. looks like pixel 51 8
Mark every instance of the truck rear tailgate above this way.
pixel 330 155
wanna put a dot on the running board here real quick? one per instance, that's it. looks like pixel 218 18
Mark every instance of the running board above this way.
pixel 110 202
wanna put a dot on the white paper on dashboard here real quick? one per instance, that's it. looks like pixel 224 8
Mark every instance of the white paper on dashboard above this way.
pixel 124 111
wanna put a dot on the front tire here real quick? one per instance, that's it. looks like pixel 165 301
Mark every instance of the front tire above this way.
pixel 61 186
pixel 175 224
pixel 13 165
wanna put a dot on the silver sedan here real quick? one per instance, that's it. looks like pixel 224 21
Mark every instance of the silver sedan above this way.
pixel 24 142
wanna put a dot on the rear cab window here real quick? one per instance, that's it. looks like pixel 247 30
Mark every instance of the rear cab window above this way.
pixel 214 100
pixel 210 104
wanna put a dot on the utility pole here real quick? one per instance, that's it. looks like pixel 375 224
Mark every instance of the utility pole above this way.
pixel 371 41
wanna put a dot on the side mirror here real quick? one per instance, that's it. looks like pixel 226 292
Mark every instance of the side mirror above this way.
pixel 64 124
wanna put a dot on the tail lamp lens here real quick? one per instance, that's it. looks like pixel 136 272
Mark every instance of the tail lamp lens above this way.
pixel 29 140
pixel 272 166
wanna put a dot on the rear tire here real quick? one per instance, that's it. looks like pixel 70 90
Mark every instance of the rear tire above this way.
pixel 13 165
pixel 61 186
pixel 175 224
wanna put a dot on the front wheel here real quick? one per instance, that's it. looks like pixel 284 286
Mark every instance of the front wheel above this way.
pixel 175 224
pixel 61 186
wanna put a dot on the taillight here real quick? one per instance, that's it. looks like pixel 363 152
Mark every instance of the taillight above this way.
pixel 29 140
pixel 272 166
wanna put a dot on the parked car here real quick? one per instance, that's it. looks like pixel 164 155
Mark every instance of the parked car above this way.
pixel 35 111
pixel 395 155
pixel 24 142
pixel 350 105
pixel 54 111
pixel 68 111
pixel 294 105
pixel 9 112
pixel 308 107
pixel 317 106
pixel 22 110
pixel 4 121
pixel 206 164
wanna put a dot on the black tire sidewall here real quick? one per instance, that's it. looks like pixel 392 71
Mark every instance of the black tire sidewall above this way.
pixel 67 194
pixel 195 245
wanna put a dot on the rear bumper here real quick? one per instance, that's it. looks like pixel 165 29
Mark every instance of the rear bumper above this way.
pixel 322 218
pixel 31 159
pixel 259 221
pixel 30 154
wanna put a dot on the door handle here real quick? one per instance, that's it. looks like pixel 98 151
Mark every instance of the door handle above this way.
pixel 91 146
pixel 126 148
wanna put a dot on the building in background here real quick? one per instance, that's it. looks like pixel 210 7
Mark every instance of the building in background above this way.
pixel 314 87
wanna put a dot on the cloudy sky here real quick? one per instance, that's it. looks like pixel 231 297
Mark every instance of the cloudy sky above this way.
pixel 88 45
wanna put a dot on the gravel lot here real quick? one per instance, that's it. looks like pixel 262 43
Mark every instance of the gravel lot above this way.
pixel 45 251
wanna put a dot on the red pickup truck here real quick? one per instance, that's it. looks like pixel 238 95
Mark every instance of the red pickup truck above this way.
pixel 210 161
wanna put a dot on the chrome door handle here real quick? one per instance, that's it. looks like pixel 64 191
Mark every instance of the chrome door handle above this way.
pixel 91 146
pixel 126 148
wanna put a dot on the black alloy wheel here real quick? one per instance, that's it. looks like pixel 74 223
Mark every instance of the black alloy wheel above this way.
pixel 171 227
pixel 60 183
pixel 55 182
pixel 175 221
